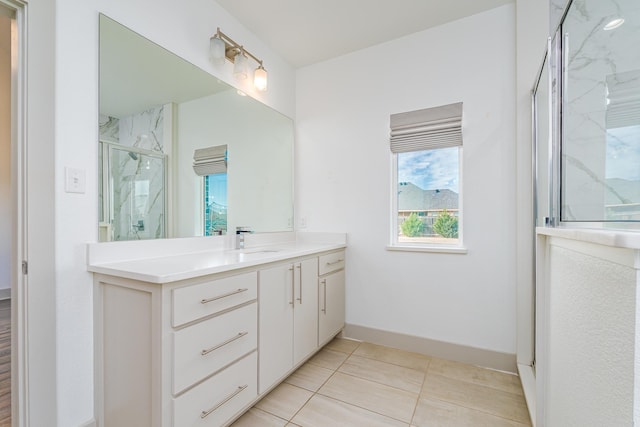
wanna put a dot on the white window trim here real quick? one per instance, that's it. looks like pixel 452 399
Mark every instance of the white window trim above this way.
pixel 394 245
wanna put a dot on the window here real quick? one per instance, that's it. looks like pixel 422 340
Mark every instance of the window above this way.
pixel 215 204
pixel 426 148
pixel 211 163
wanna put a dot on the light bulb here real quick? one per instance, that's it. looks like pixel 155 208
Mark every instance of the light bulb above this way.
pixel 217 50
pixel 260 79
pixel 240 66
pixel 613 24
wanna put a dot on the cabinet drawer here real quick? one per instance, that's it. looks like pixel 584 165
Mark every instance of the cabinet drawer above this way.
pixel 201 349
pixel 193 302
pixel 330 262
pixel 214 402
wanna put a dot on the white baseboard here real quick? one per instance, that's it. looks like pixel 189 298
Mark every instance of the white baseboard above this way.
pixel 90 423
pixel 444 350
pixel 5 293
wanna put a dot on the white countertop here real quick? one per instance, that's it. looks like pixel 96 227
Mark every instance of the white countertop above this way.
pixel 179 265
pixel 614 238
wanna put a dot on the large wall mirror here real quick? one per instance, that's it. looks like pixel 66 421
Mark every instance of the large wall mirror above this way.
pixel 183 154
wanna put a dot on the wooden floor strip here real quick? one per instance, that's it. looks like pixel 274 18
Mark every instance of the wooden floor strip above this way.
pixel 5 362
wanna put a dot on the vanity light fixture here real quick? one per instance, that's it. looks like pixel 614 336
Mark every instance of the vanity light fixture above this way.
pixel 222 47
pixel 613 24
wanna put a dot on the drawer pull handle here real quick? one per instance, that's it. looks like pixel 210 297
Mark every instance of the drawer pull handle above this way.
pixel 205 414
pixel 222 344
pixel 239 291
pixel 338 261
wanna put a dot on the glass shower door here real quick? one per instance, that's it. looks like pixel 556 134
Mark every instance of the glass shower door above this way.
pixel 135 207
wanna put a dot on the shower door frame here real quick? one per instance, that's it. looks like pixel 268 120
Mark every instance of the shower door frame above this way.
pixel 106 148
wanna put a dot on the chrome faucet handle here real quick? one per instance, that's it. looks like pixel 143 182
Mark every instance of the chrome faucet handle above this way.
pixel 240 232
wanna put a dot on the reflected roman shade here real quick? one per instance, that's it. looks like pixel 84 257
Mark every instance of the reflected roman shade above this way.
pixel 211 160
pixel 437 127
pixel 623 109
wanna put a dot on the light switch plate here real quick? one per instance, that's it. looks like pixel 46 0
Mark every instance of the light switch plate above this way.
pixel 74 180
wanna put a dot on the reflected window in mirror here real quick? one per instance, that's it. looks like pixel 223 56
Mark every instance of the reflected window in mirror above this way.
pixel 215 204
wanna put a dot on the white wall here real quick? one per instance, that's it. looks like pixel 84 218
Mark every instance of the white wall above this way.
pixel 6 220
pixel 40 284
pixel 185 29
pixel 260 149
pixel 344 173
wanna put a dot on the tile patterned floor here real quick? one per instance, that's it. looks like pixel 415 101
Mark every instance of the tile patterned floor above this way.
pixel 353 384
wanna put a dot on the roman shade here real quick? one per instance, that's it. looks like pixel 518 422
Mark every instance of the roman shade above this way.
pixel 211 160
pixel 623 97
pixel 437 127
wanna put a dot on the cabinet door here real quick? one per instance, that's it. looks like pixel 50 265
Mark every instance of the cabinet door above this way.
pixel 305 312
pixel 275 307
pixel 331 305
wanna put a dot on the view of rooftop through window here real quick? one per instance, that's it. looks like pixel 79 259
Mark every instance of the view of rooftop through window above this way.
pixel 428 196
pixel 215 204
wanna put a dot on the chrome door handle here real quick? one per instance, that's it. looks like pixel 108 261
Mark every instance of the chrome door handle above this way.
pixel 299 267
pixel 335 262
pixel 292 285
pixel 324 309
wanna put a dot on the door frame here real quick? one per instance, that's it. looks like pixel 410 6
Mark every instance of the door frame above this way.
pixel 19 350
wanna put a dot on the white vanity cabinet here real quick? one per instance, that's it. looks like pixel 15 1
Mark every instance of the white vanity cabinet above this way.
pixel 177 354
pixel 288 299
pixel 178 344
pixel 331 284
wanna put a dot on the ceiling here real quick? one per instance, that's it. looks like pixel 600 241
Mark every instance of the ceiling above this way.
pixel 305 32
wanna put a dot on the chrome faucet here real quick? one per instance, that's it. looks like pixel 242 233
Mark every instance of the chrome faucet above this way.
pixel 240 232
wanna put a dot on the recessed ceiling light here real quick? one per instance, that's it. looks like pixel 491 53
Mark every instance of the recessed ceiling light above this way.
pixel 613 24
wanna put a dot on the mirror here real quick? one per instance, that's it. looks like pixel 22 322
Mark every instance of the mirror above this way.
pixel 156 110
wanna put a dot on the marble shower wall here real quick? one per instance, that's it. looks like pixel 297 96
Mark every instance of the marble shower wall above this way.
pixel 556 10
pixel 593 176
pixel 137 179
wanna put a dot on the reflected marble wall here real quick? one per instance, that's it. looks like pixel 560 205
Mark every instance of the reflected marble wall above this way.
pixel 137 180
pixel 143 130
pixel 595 56
pixel 556 10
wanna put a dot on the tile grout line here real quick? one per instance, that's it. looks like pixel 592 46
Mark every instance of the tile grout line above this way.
pixel 413 416
pixel 434 398
pixel 468 407
pixel 316 392
pixel 425 373
pixel 353 376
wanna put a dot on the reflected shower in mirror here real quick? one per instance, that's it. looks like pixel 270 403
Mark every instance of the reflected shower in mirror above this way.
pixel 601 112
pixel 156 112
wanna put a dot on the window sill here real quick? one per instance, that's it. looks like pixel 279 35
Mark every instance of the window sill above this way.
pixel 433 249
